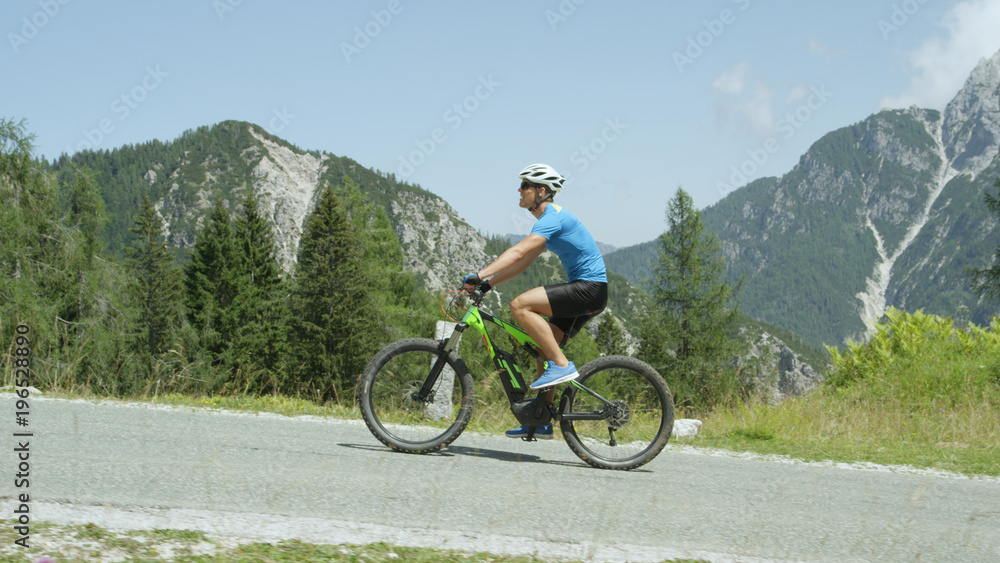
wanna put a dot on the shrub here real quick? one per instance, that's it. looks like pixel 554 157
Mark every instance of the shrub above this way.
pixel 939 360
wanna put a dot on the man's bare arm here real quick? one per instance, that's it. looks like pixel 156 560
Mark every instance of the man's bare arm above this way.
pixel 514 260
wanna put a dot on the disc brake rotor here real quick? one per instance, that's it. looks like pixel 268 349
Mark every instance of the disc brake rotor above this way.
pixel 620 414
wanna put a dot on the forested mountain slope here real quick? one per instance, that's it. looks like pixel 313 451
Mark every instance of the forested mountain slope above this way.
pixel 885 212
pixel 184 177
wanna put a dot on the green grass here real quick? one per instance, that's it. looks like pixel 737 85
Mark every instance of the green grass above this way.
pixel 287 406
pixel 828 428
pixel 90 543
pixel 920 393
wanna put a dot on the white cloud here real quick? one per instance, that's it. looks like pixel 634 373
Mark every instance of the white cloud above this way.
pixel 941 65
pixel 816 46
pixel 732 80
pixel 746 100
pixel 797 93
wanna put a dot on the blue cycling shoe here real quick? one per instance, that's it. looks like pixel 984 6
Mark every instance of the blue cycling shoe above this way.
pixel 541 432
pixel 555 375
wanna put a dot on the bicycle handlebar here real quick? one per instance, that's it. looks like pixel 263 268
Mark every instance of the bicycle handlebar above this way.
pixel 454 297
pixel 476 296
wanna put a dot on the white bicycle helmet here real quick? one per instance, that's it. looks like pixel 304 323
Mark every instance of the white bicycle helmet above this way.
pixel 544 175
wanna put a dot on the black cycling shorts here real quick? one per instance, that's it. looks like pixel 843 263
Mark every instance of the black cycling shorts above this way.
pixel 574 303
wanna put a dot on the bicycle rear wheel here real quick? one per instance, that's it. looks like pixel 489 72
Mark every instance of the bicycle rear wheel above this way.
pixel 637 413
pixel 393 413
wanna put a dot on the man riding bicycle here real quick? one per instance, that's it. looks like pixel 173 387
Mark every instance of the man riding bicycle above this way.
pixel 568 305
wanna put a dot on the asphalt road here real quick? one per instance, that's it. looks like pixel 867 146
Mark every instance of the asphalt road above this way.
pixel 271 477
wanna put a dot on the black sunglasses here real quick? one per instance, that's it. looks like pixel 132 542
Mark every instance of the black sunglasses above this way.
pixel 526 185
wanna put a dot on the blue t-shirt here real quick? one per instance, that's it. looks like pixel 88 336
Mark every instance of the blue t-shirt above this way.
pixel 569 239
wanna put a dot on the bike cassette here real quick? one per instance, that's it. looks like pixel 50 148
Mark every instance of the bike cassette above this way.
pixel 621 414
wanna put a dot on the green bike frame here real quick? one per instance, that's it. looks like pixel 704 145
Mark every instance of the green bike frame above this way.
pixel 511 376
pixel 532 412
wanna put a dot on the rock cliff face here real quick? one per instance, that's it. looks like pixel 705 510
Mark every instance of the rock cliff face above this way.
pixel 438 245
pixel 287 184
pixel 436 242
pixel 775 370
pixel 972 120
pixel 886 212
pixel 955 230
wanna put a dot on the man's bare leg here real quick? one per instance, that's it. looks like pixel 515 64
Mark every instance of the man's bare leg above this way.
pixel 527 310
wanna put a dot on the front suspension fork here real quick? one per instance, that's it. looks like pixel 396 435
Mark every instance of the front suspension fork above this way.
pixel 446 347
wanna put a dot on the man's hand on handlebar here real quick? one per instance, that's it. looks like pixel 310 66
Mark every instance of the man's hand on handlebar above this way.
pixel 472 282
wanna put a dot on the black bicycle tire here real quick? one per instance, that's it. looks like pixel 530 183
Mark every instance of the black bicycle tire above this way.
pixel 375 425
pixel 666 423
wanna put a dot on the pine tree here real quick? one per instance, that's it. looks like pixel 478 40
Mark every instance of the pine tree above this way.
pixel 50 276
pixel 87 312
pixel 694 311
pixel 400 309
pixel 209 283
pixel 86 210
pixel 332 303
pixel 259 340
pixel 610 338
pixel 986 282
pixel 28 230
pixel 87 215
pixel 255 242
pixel 36 272
pixel 157 285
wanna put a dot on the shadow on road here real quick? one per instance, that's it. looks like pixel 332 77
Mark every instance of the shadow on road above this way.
pixel 453 450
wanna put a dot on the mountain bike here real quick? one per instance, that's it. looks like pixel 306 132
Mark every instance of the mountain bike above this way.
pixel 416 396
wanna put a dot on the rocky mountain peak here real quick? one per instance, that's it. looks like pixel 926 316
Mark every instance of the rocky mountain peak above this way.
pixel 287 184
pixel 971 132
pixel 886 212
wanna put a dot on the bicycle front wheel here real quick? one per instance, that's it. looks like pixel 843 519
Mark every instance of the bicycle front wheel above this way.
pixel 626 419
pixel 389 402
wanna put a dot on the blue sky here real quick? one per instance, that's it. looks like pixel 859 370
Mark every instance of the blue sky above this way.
pixel 631 100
